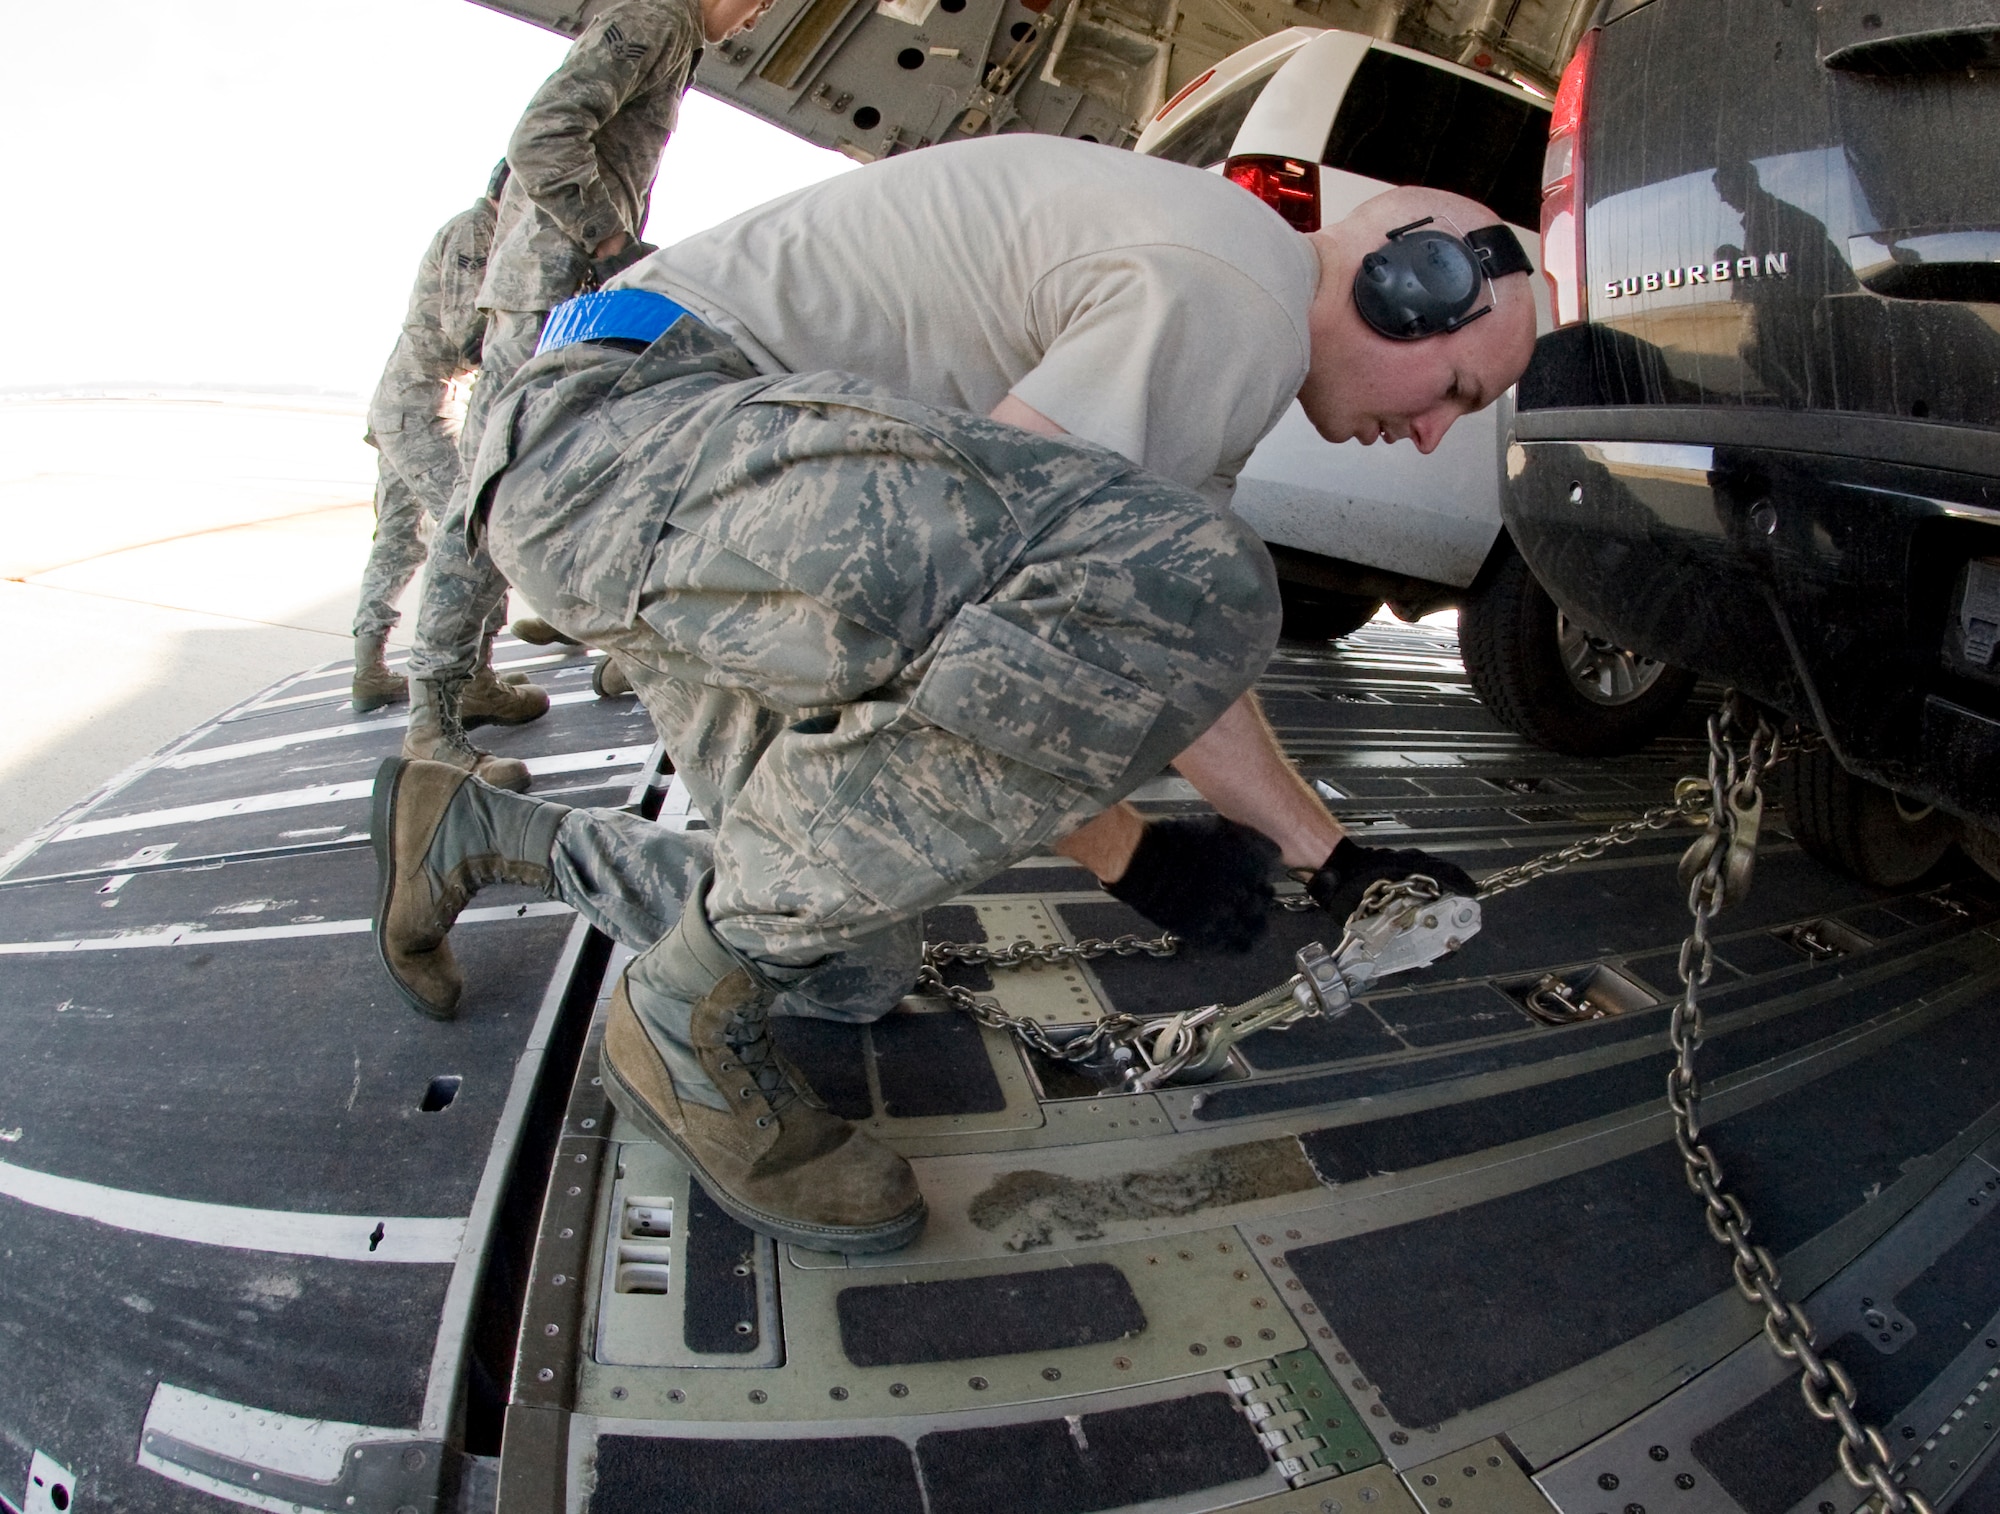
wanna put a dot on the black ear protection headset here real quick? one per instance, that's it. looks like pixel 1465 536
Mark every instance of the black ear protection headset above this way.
pixel 1424 283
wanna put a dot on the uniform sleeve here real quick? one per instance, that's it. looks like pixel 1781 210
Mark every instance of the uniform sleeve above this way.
pixel 1167 355
pixel 406 413
pixel 627 51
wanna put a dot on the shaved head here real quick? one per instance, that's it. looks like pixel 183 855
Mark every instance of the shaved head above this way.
pixel 1363 386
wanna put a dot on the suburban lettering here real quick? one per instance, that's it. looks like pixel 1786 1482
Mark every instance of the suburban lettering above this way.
pixel 1721 271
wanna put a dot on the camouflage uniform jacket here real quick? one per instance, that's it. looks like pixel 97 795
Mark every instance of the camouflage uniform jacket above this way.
pixel 440 341
pixel 586 149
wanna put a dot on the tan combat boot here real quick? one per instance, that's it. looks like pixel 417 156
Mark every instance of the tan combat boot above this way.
pixel 437 734
pixel 608 680
pixel 537 632
pixel 439 838
pixel 374 684
pixel 704 1079
pixel 487 697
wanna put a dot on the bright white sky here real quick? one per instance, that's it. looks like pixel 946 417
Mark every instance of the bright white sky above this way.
pixel 237 192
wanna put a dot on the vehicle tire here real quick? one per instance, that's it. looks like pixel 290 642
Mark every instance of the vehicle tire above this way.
pixel 1859 827
pixel 1552 682
pixel 1322 614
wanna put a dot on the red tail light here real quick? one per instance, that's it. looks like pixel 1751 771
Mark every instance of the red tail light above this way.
pixel 1289 186
pixel 1562 191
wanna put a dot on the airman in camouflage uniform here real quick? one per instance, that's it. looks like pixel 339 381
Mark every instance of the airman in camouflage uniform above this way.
pixel 419 464
pixel 420 467
pixel 892 650
pixel 583 156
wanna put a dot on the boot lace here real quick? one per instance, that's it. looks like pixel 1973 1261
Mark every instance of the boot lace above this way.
pixel 446 694
pixel 748 1034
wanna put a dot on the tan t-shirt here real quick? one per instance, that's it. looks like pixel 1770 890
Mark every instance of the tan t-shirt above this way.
pixel 1149 307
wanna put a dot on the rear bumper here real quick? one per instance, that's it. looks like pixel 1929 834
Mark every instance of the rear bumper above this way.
pixel 1826 585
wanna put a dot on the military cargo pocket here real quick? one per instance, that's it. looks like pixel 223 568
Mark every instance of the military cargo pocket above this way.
pixel 926 814
pixel 1002 688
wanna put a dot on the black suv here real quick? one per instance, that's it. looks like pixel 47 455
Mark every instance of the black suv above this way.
pixel 1764 441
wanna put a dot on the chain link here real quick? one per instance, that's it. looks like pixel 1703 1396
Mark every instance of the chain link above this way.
pixel 1733 800
pixel 1117 1028
pixel 1690 807
pixel 1083 1046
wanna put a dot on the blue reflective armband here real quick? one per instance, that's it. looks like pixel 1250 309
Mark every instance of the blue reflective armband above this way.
pixel 635 315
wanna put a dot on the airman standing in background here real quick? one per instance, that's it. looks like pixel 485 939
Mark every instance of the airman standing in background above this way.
pixel 583 158
pixel 410 424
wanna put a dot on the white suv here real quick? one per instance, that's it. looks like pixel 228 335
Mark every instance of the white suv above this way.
pixel 1316 122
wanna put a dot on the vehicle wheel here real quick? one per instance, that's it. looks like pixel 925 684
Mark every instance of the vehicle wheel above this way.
pixel 1321 614
pixel 1859 827
pixel 1546 678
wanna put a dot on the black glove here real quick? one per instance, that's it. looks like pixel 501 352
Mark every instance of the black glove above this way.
pixel 1345 875
pixel 603 270
pixel 1204 878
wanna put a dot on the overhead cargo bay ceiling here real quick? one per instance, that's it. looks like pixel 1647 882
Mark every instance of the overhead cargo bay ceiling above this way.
pixel 875 77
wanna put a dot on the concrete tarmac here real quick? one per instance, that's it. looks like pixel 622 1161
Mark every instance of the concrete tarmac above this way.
pixel 163 556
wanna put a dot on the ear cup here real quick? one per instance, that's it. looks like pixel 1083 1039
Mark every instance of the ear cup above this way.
pixel 1417 284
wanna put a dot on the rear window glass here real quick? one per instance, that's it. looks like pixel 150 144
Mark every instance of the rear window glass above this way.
pixel 1205 141
pixel 1405 122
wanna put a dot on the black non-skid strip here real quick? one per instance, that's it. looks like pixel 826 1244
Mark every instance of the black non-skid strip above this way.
pixel 862 1474
pixel 718 1279
pixel 1430 1309
pixel 1121 1456
pixel 934 1064
pixel 282 1074
pixel 1345 1153
pixel 1005 1314
pixel 95 1317
pixel 263 891
pixel 1770 1453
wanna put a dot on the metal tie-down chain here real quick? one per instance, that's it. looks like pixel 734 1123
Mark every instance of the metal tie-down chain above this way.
pixel 1197 1041
pixel 1146 1053
pixel 1717 871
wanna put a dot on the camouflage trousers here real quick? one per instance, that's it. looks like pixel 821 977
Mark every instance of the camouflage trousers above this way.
pixel 396 553
pixel 464 594
pixel 631 879
pixel 891 650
